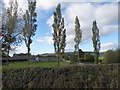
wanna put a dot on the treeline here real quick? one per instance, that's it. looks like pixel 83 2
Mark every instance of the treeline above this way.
pixel 112 56
pixel 17 27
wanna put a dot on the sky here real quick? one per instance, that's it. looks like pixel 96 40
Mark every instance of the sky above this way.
pixel 105 12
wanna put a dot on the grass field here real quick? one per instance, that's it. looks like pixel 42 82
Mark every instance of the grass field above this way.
pixel 35 64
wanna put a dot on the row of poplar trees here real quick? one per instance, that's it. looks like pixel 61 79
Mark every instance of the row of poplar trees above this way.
pixel 59 36
pixel 17 27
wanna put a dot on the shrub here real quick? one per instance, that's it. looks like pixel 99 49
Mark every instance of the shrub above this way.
pixel 74 76
pixel 74 58
pixel 89 57
pixel 81 53
pixel 111 56
pixel 81 59
pixel 118 55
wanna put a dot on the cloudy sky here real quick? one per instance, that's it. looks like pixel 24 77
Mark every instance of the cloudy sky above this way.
pixel 105 12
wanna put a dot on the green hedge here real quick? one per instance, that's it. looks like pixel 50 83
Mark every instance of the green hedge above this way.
pixel 74 76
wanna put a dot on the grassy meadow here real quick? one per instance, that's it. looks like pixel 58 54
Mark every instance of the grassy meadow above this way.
pixel 35 64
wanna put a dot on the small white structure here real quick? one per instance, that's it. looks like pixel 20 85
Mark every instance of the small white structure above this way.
pixel 37 59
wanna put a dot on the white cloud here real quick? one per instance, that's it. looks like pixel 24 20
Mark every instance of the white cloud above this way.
pixel 51 51
pixel 18 49
pixel 21 49
pixel 107 14
pixel 108 46
pixel 50 21
pixel 79 0
pixel 104 0
pixel 21 4
pixel 48 4
pixel 87 13
pixel 108 29
pixel 70 42
pixel 46 40
pixel 47 33
pixel 41 4
pixel 45 4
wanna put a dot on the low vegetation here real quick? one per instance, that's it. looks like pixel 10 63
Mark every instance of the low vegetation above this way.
pixel 73 76
pixel 89 57
pixel 83 58
pixel 109 57
pixel 112 56
pixel 34 64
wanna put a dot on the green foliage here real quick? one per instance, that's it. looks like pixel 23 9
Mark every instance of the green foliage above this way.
pixel 11 28
pixel 81 59
pixel 88 57
pixel 118 53
pixel 75 76
pixel 74 58
pixel 112 56
pixel 29 26
pixel 96 41
pixel 78 36
pixel 59 33
pixel 81 53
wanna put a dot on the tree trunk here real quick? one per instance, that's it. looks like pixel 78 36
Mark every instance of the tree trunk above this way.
pixel 78 56
pixel 78 53
pixel 7 57
pixel 58 54
pixel 28 54
pixel 96 58
pixel 58 59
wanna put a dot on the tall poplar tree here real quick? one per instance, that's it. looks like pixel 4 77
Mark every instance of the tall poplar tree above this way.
pixel 59 33
pixel 11 28
pixel 30 26
pixel 78 36
pixel 96 41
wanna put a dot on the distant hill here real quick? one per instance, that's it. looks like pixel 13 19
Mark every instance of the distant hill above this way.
pixel 70 53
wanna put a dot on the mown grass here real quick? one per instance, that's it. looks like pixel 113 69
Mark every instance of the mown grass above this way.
pixel 35 64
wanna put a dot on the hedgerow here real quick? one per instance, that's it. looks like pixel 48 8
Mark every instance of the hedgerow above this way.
pixel 74 76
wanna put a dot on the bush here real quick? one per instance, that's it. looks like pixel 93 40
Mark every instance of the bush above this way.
pixel 74 76
pixel 81 53
pixel 111 56
pixel 118 53
pixel 81 59
pixel 74 58
pixel 89 57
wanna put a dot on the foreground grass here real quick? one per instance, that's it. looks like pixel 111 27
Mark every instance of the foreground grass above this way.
pixel 35 64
